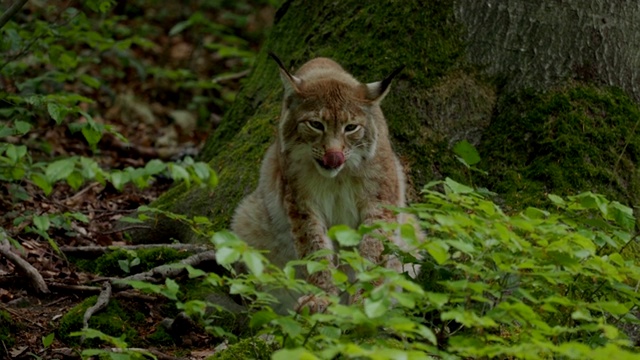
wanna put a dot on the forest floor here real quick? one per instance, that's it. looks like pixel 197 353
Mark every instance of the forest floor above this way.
pixel 162 120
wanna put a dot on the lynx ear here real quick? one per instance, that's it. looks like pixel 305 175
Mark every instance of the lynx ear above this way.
pixel 291 83
pixel 376 91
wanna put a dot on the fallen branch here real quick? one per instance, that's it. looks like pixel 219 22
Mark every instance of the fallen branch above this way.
pixel 22 265
pixel 99 250
pixel 101 303
pixel 162 272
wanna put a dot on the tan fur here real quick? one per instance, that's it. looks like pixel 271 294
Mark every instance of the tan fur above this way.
pixel 298 198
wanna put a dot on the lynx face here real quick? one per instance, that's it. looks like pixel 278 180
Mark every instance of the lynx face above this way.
pixel 328 117
pixel 332 132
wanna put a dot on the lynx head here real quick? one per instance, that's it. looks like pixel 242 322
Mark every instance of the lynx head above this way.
pixel 329 118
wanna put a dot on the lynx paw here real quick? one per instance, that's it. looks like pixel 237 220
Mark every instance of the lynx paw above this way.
pixel 315 304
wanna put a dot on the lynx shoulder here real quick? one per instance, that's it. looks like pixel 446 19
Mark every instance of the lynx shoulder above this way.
pixel 331 163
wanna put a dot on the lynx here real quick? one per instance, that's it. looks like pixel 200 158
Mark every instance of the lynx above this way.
pixel 331 163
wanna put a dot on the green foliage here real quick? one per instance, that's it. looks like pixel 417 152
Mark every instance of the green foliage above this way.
pixel 257 349
pixel 123 353
pixel 535 285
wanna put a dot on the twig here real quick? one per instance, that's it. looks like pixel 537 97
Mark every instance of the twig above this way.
pixel 22 265
pixel 12 10
pixel 129 294
pixel 99 250
pixel 101 303
pixel 170 270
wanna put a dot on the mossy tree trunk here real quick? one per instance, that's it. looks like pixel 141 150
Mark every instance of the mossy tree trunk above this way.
pixel 467 64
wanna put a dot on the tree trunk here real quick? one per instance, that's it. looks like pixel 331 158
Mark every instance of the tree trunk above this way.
pixel 468 63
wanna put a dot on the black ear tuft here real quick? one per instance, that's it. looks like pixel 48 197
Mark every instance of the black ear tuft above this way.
pixel 384 84
pixel 277 60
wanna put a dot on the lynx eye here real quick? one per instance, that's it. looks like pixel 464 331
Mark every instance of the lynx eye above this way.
pixel 351 128
pixel 316 125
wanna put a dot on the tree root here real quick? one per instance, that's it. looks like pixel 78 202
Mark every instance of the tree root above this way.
pixel 22 265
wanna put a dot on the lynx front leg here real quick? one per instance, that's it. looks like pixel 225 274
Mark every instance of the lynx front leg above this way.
pixel 371 248
pixel 309 234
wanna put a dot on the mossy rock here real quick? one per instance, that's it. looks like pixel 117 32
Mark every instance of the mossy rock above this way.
pixel 572 139
pixel 250 348
pixel 113 321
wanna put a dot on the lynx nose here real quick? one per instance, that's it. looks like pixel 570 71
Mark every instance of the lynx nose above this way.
pixel 333 159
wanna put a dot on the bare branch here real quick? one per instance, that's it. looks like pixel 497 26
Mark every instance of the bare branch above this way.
pixel 12 10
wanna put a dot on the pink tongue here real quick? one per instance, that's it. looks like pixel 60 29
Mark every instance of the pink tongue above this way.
pixel 333 159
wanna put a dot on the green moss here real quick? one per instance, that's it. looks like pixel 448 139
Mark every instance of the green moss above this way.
pixel 113 320
pixel 250 348
pixel 108 264
pixel 569 140
pixel 7 327
pixel 161 337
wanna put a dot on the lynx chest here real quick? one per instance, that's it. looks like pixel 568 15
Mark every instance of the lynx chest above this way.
pixel 337 201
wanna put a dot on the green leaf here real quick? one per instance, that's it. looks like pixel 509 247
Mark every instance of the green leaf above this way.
pixel 171 289
pixel 298 354
pixel 456 187
pixel 22 127
pixel 41 222
pixel 254 262
pixel 622 215
pixel 227 255
pixel 344 235
pixel 75 180
pixel 59 169
pixel 154 167
pixel 91 134
pixel 467 152
pixel 557 200
pixel 180 27
pixel 261 318
pixel 376 308
pixel 179 173
pixel 438 250
pixel 289 326
pixel 90 81
pixel 48 340
pixel 124 266
pixel 119 179
pixel 56 112
pixel 42 182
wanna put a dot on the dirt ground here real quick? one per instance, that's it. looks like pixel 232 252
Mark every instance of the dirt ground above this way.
pixel 161 122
